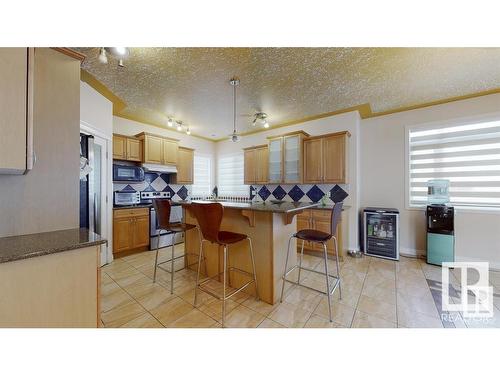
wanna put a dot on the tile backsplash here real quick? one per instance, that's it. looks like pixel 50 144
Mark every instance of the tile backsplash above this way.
pixel 156 182
pixel 301 193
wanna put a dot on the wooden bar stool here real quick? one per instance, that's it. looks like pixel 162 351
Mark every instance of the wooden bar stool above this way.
pixel 321 238
pixel 163 208
pixel 209 217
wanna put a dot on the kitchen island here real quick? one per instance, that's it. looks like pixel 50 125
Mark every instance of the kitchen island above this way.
pixel 269 225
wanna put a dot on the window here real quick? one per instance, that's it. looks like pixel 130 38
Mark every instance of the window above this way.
pixel 202 183
pixel 230 176
pixel 466 155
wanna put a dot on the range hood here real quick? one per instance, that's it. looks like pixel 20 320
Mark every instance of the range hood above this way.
pixel 148 167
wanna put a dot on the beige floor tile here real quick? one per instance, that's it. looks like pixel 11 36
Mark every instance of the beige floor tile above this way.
pixel 424 305
pixel 145 320
pixel 260 306
pixel 203 298
pixel 362 320
pixel 377 308
pixel 193 319
pixel 380 282
pixel 290 315
pixel 303 297
pixel 387 295
pixel 149 294
pixel 353 277
pixel 361 266
pixel 495 278
pixel 268 323
pixel 432 272
pixel 350 296
pixel 317 321
pixel 411 273
pixel 105 279
pixel 113 299
pixel 243 317
pixel 109 287
pixel 413 319
pixel 214 308
pixel 171 310
pixel 341 314
pixel 420 290
pixel 129 279
pixel 122 314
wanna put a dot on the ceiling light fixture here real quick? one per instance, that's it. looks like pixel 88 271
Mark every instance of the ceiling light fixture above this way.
pixel 121 53
pixel 260 117
pixel 179 126
pixel 188 132
pixel 170 122
pixel 102 56
pixel 234 82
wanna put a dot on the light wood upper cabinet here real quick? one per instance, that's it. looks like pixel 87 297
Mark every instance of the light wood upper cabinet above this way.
pixel 256 165
pixel 325 158
pixel 185 166
pixel 286 158
pixel 170 151
pixel 134 149
pixel 16 110
pixel 119 147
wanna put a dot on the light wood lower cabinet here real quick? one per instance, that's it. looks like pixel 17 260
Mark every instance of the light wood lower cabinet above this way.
pixel 319 220
pixel 130 229
pixel 185 166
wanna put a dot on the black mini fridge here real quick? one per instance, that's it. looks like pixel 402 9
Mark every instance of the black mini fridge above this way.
pixel 381 232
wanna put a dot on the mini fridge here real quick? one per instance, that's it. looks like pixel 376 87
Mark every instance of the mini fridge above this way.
pixel 381 232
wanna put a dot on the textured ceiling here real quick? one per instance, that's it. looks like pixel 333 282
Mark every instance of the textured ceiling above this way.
pixel 192 84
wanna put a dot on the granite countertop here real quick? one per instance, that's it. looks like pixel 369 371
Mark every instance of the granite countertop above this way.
pixel 34 245
pixel 330 207
pixel 283 208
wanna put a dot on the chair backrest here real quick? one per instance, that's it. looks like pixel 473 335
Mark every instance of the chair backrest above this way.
pixel 209 217
pixel 162 208
pixel 334 221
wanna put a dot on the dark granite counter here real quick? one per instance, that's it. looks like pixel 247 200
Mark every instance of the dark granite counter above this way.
pixel 277 208
pixel 34 245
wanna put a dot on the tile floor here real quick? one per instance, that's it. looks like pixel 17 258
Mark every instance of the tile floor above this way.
pixel 375 293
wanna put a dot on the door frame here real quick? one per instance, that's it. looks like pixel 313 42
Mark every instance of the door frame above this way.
pixel 107 187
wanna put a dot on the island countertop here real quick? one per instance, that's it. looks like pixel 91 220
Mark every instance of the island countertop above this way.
pixel 279 208
pixel 33 245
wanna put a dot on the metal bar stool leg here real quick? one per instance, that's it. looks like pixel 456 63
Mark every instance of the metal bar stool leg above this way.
pixel 253 269
pixel 327 282
pixel 224 287
pixel 156 257
pixel 200 253
pixel 286 268
pixel 300 260
pixel 172 268
pixel 338 268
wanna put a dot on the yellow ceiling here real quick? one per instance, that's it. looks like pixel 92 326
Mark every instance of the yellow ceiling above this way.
pixel 289 84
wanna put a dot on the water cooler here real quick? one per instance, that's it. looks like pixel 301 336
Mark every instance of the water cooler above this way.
pixel 440 224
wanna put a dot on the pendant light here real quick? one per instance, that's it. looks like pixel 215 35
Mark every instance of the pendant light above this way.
pixel 234 82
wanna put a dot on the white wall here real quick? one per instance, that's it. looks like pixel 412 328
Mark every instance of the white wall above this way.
pixel 347 121
pixel 382 166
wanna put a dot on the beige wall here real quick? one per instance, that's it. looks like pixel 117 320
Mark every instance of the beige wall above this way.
pixel 47 198
pixel 382 165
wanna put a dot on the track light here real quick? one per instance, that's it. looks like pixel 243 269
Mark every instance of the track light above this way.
pixel 179 126
pixel 102 56
pixel 170 123
pixel 188 132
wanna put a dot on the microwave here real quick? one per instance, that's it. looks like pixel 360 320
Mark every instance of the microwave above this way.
pixel 127 173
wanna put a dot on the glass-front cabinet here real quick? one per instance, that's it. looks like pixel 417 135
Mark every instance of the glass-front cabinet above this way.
pixel 286 158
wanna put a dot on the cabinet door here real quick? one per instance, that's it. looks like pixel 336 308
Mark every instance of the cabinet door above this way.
pixel 304 222
pixel 323 226
pixel 184 166
pixel 153 151
pixel 334 159
pixel 119 147
pixel 249 167
pixel 140 231
pixel 275 160
pixel 170 151
pixel 313 161
pixel 122 234
pixel 292 158
pixel 134 149
pixel 261 171
pixel 13 105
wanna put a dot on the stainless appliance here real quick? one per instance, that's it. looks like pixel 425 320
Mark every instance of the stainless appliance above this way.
pixel 90 185
pixel 166 238
pixel 381 232
pixel 126 198
pixel 127 173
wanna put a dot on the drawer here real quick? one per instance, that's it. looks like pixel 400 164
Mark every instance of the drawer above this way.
pixel 131 212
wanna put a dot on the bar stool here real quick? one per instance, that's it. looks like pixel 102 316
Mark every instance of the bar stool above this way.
pixel 209 216
pixel 321 238
pixel 163 208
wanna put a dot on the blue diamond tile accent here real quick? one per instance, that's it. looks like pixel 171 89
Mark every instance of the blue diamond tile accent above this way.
pixel 315 193
pixel 150 177
pixel 182 192
pixel 170 190
pixel 165 177
pixel 295 193
pixel 264 192
pixel 128 189
pixel 337 194
pixel 279 192
pixel 149 188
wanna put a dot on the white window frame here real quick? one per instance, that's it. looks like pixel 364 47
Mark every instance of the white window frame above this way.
pixel 210 171
pixel 221 193
pixel 492 116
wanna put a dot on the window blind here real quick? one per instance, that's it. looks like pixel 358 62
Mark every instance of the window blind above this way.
pixel 466 155
pixel 230 176
pixel 202 184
